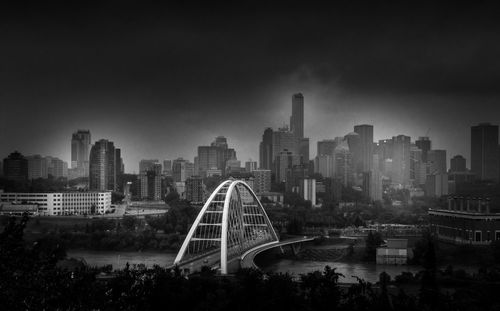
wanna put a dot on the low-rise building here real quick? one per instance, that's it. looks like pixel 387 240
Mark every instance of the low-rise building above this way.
pixel 63 203
pixel 394 253
pixel 466 220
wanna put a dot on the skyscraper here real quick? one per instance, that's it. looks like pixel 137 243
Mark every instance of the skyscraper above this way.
pixel 80 150
pixel 102 170
pixel 297 118
pixel 401 160
pixel 424 144
pixel 365 133
pixel 266 150
pixel 15 167
pixel 354 143
pixel 284 160
pixel 343 163
pixel 484 151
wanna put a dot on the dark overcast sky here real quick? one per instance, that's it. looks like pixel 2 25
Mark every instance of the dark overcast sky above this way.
pixel 159 81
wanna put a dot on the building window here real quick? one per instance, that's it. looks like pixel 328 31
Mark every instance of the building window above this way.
pixel 477 236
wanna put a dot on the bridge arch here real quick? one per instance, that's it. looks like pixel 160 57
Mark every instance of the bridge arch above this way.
pixel 231 222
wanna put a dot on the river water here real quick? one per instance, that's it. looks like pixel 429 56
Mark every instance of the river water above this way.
pixel 367 271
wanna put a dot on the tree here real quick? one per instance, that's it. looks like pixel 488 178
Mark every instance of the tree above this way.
pixel 171 196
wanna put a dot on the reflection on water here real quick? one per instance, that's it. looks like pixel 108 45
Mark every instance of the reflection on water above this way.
pixel 368 271
pixel 119 259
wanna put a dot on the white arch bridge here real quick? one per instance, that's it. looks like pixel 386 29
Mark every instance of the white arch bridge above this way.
pixel 230 229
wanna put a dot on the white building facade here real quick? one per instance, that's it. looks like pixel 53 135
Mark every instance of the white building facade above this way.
pixel 63 203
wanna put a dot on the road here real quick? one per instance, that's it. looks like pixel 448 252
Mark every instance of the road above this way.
pixel 247 260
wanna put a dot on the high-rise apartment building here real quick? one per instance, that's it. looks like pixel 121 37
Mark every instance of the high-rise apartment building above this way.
pixel 484 152
pixel 80 152
pixel 365 133
pixel 308 190
pixel 102 166
pixel 297 118
pixel 15 167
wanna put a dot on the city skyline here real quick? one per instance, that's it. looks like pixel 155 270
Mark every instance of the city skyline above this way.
pixel 152 84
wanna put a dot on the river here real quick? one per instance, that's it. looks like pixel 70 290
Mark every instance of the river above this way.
pixel 367 271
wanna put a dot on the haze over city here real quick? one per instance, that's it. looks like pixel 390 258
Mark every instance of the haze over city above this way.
pixel 161 81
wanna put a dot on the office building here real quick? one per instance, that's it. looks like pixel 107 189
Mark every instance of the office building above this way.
pixel 15 167
pixel 147 165
pixel 343 164
pixel 214 156
pixel 182 169
pixel 56 167
pixel 436 185
pixel 64 203
pixel 484 152
pixel 458 164
pixel 266 157
pixel 151 183
pixel 102 166
pixel 418 169
pixel 401 160
pixel 326 147
pixel 354 142
pixel 365 133
pixel 194 190
pixel 297 118
pixel 308 190
pixel 80 153
pixel 233 166
pixel 436 160
pixel 465 221
pixel 424 144
pixel 284 160
pixel 294 175
pixel 262 180
pixel 250 166
pixel 167 168
pixel 325 165
pixel 37 167
pixel 304 150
